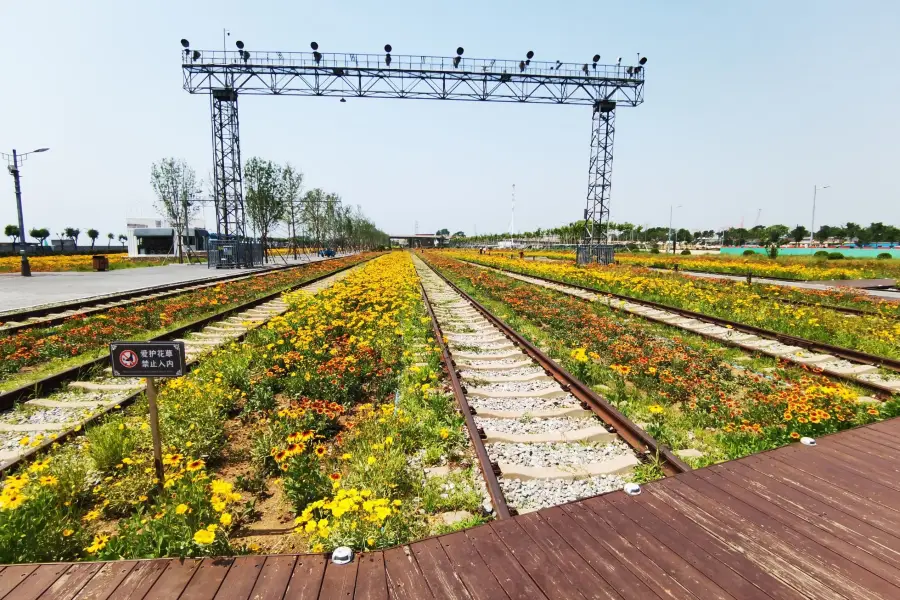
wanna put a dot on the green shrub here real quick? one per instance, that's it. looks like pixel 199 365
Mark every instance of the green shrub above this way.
pixel 110 443
pixel 884 256
pixel 821 254
pixel 835 256
pixel 654 250
pixel 685 252
pixel 749 252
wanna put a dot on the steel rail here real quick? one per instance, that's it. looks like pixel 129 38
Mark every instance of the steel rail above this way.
pixel 488 468
pixel 191 364
pixel 53 382
pixel 91 305
pixel 882 392
pixel 634 436
pixel 846 353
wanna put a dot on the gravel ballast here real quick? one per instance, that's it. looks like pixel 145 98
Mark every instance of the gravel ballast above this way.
pixel 555 455
pixel 542 493
pixel 527 426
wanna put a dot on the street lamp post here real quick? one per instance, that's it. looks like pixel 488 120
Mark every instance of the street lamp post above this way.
pixel 18 159
pixel 812 225
pixel 671 237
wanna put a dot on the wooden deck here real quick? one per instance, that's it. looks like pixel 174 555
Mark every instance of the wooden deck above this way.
pixel 797 522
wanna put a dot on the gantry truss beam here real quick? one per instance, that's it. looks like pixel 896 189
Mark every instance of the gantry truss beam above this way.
pixel 423 77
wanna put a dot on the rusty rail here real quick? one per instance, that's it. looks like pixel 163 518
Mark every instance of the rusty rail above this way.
pixel 501 509
pixel 633 435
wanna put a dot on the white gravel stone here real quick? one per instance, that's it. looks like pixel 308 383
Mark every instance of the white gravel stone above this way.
pixel 518 372
pixel 539 493
pixel 555 455
pixel 520 386
pixel 524 403
pixel 525 426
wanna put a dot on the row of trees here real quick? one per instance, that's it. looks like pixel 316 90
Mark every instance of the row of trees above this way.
pixel 273 198
pixel 41 234
pixel 734 236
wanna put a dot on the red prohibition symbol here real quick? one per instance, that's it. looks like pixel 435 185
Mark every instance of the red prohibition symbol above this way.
pixel 128 358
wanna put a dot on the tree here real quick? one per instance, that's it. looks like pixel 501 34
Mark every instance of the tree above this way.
pixel 461 234
pixel 444 231
pixel 40 234
pixel 93 234
pixel 175 184
pixel 290 185
pixel 799 233
pixel 264 202
pixel 123 238
pixel 13 232
pixel 773 234
pixel 110 237
pixel 73 234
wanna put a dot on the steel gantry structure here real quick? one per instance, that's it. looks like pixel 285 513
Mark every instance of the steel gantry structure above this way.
pixel 226 75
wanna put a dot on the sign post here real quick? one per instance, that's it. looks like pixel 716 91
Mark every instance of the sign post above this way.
pixel 150 360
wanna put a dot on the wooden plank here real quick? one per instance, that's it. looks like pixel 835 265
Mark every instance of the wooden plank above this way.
pixel 140 579
pixel 541 568
pixel 371 580
pixel 647 570
pixel 890 427
pixel 819 465
pixel 865 455
pixel 241 578
pixel 836 497
pixel 716 547
pixel 475 574
pixel 791 523
pixel 889 443
pixel 828 567
pixel 603 562
pixel 339 581
pixel 174 579
pixel 438 571
pixel 72 581
pixel 813 511
pixel 274 577
pixel 13 575
pixel 671 562
pixel 513 578
pixel 740 537
pixel 697 557
pixel 206 581
pixel 558 554
pixel 306 579
pixel 37 582
pixel 107 579
pixel 404 578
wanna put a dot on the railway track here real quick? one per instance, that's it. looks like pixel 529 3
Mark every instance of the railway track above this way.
pixel 875 373
pixel 83 397
pixel 542 437
pixel 46 316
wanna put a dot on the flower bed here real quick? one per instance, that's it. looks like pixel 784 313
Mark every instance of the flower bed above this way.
pixel 736 301
pixel 689 392
pixel 335 406
pixel 77 262
pixel 797 268
pixel 83 334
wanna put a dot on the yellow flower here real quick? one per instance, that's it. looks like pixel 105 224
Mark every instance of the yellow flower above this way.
pixel 318 548
pixel 204 537
pixel 212 527
pixel 445 433
pixel 310 527
pixel 181 509
pixel 655 409
pixel 225 519
pixel 195 465
pixel 371 460
pixel 91 516
pixel 370 541
pixel 24 441
pixel 67 532
pixel 48 480
pixel 254 547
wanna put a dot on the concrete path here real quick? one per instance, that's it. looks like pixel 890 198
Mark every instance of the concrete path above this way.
pixel 17 292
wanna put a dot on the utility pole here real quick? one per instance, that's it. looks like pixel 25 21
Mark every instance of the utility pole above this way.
pixel 812 225
pixel 17 159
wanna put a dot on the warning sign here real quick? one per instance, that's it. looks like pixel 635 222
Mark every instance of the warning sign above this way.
pixel 147 359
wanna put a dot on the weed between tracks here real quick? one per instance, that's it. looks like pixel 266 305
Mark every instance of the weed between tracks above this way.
pixel 328 414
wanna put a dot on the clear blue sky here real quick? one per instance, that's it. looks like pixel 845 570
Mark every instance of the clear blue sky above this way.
pixel 748 105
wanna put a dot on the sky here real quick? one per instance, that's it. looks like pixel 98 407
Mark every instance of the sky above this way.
pixel 748 106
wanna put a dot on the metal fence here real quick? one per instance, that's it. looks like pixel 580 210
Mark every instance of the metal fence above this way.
pixel 234 254
pixel 594 253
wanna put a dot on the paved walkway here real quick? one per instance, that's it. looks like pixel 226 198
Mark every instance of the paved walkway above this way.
pixel 17 292
pixel 815 522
